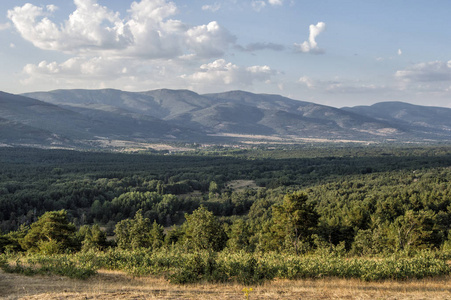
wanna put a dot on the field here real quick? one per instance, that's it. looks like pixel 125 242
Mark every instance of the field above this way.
pixel 117 285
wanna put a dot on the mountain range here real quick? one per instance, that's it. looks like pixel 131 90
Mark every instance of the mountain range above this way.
pixel 82 118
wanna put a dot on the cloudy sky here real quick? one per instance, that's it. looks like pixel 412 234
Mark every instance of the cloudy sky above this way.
pixel 333 52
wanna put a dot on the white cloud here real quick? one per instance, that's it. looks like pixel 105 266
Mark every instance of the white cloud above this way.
pixel 100 72
pixel 399 52
pixel 275 2
pixel 213 8
pixel 311 46
pixel 147 48
pixel 12 45
pixel 90 26
pixel 52 8
pixel 220 73
pixel 209 40
pixel 436 71
pixel 94 73
pixel 147 31
pixel 97 67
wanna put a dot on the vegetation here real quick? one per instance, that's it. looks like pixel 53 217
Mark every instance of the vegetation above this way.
pixel 371 213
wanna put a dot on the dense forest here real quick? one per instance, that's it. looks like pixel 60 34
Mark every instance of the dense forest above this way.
pixel 360 201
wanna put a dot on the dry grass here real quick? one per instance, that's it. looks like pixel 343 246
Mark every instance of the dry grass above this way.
pixel 116 285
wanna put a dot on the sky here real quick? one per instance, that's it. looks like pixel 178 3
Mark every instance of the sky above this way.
pixel 332 52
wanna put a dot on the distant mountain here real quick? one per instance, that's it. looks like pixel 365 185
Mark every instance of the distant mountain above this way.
pixel 234 112
pixel 422 121
pixel 287 117
pixel 78 117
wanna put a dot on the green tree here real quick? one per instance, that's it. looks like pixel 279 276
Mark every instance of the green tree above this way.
pixel 51 233
pixel 92 237
pixel 239 235
pixel 295 219
pixel 156 235
pixel 203 231
pixel 133 233
pixel 412 230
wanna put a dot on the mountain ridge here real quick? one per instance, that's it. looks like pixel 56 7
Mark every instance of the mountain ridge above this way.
pixel 75 116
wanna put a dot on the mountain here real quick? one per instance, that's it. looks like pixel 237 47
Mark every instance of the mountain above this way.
pixel 75 124
pixel 79 117
pixel 423 121
pixel 234 112
pixel 287 117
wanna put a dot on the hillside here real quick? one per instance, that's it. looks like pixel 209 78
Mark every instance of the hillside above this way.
pixel 423 121
pixel 78 117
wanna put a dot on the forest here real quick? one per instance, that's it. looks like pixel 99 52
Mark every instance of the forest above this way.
pixel 369 212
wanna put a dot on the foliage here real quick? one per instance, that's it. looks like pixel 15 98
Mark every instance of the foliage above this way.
pixel 51 233
pixel 63 265
pixel 295 220
pixel 240 267
pixel 92 238
pixel 202 231
pixel 374 213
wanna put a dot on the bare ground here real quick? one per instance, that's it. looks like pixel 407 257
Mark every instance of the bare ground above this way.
pixel 116 285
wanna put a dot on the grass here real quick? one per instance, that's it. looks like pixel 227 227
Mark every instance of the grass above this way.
pixel 118 285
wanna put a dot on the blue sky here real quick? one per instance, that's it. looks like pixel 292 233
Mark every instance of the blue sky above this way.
pixel 332 52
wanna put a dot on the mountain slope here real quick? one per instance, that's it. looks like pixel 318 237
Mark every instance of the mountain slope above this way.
pixel 74 123
pixel 184 115
pixel 45 117
pixel 299 118
pixel 426 121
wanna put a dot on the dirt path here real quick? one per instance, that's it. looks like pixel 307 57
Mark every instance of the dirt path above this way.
pixel 116 285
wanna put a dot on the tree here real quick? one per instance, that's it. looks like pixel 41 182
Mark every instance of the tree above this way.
pixel 92 237
pixel 295 219
pixel 51 233
pixel 239 236
pixel 156 235
pixel 411 229
pixel 203 231
pixel 133 233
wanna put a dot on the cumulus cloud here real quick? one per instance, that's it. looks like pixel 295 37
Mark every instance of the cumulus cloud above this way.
pixel 131 74
pixel 209 40
pixel 436 71
pixel 311 46
pixel 146 48
pixel 96 67
pixel 90 26
pixel 101 72
pixel 146 32
pixel 221 72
